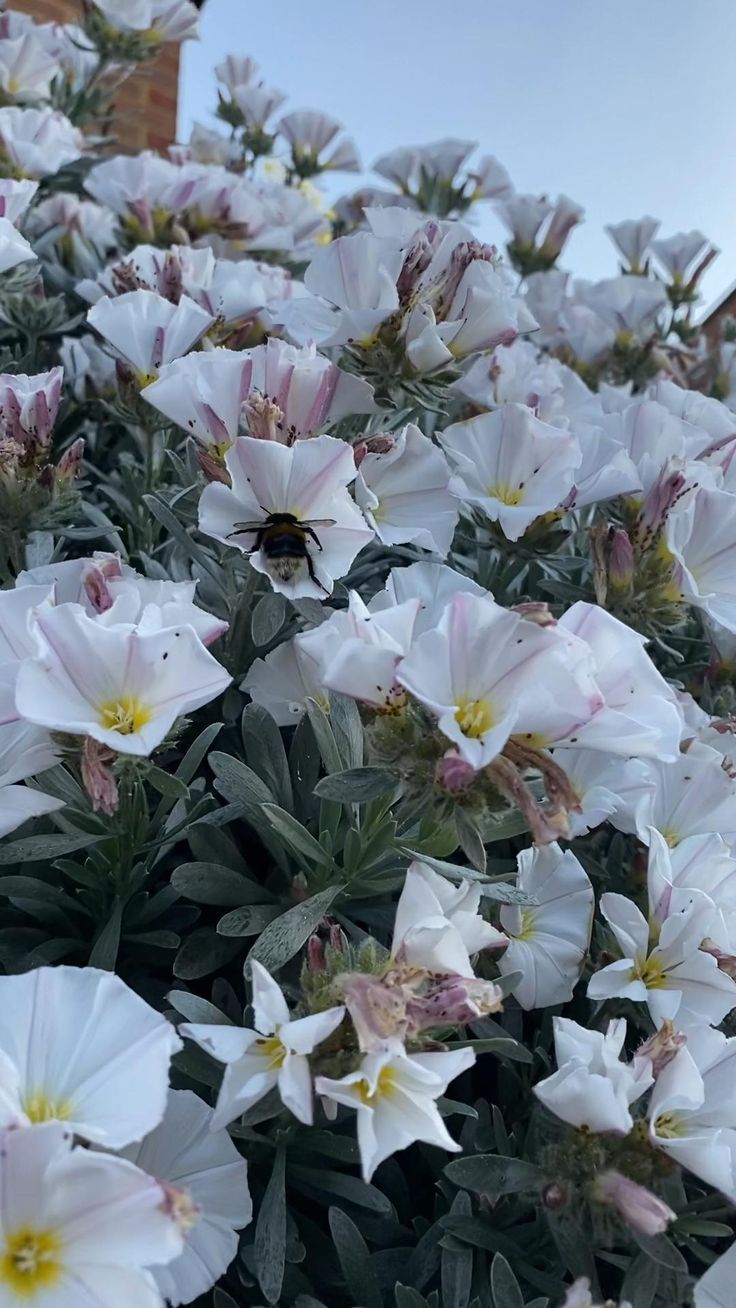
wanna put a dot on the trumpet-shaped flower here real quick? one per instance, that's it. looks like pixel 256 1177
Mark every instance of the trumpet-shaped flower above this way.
pixel 592 1087
pixel 691 1111
pixel 276 391
pixel 395 1096
pixel 702 539
pixel 79 1047
pixel 304 484
pixel 38 142
pixel 693 796
pixel 670 973
pixel 120 686
pixel 486 673
pixel 433 584
pixel 24 752
pixel 633 239
pixel 208 1175
pixel 511 465
pixel 287 677
pixel 405 495
pixel 147 331
pixel 715 1287
pixel 14 248
pixel 77 1226
pixel 438 925
pixel 275 1054
pixel 359 652
pixel 548 941
pixel 357 274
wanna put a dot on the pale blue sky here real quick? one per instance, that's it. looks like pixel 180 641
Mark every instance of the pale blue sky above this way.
pixel 625 105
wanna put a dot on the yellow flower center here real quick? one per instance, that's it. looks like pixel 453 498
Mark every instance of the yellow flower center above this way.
pixel 669 1127
pixel 385 1087
pixel 474 717
pixel 672 838
pixel 272 1049
pixel 39 1107
pixel 506 494
pixel 126 715
pixel 651 972
pixel 528 925
pixel 30 1262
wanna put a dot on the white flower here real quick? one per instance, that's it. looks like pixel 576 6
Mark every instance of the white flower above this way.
pixel 394 1096
pixel 38 142
pixel 148 331
pixel 287 677
pixel 120 686
pixel 309 132
pixel 358 275
pixel 438 925
pixel 549 940
pixel 156 20
pixel 628 304
pixel 523 216
pixel 702 539
pixel 207 1172
pixel 27 67
pixel 665 969
pixel 490 179
pixel 301 489
pixel 691 1111
pixel 276 390
pixel 486 673
pixel 24 752
pixel 359 651
pixel 679 253
pixel 15 197
pixel 29 405
pixel 603 783
pixel 275 1054
pixel 592 1087
pixel 692 796
pixel 511 465
pixel 77 1226
pixel 14 248
pixel 632 239
pixel 641 715
pixel 404 493
pixel 433 584
pixel 79 1047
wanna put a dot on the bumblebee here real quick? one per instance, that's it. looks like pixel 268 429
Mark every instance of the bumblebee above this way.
pixel 284 543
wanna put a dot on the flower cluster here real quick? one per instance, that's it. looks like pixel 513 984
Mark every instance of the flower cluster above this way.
pixel 368 704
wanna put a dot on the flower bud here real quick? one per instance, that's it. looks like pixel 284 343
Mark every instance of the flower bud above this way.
pixel 453 774
pixel 98 777
pixel 555 1196
pixel 315 955
pixel 620 560
pixel 643 1211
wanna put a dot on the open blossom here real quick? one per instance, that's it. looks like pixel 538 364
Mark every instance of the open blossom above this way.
pixel 122 687
pixel 275 391
pixel 405 494
pixel 394 1095
pixel 29 405
pixel 303 486
pixel 157 20
pixel 682 254
pixel 25 751
pixel 633 239
pixel 433 584
pixel 14 248
pixel 629 304
pixel 147 331
pixel 548 940
pixel 204 1172
pixel 715 1287
pixel 438 925
pixel 487 673
pixel 691 1112
pixel 511 465
pixel 275 1054
pixel 101 1066
pixel 27 67
pixel 359 651
pixel 357 275
pixel 38 142
pixel 287 677
pixel 592 1087
pixel 693 796
pixel 309 133
pixel 78 1226
pixel 702 539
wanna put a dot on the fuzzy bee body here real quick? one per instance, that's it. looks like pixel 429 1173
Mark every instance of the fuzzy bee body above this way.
pixel 284 543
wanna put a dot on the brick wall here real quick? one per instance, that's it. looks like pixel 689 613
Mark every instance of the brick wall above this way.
pixel 145 109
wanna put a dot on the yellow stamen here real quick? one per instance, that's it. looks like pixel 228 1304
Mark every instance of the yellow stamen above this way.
pixel 385 1087
pixel 30 1262
pixel 126 715
pixel 651 972
pixel 506 494
pixel 272 1049
pixel 39 1107
pixel 474 717
pixel 668 1126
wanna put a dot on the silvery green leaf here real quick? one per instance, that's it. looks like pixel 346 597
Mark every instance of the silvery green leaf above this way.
pixel 284 937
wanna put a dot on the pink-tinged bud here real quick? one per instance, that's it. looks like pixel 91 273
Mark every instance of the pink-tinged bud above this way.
pixel 661 1048
pixel 264 419
pixel 638 1206
pixel 453 774
pixel 536 611
pixel 416 261
pixel 71 461
pixel 213 467
pixel 98 777
pixel 381 443
pixel 555 1196
pixel 315 955
pixel 96 588
pixel 660 499
pixel 620 560
pixel 337 939
pixel 377 1010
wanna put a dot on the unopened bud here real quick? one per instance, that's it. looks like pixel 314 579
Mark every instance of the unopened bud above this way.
pixel 643 1211
pixel 620 561
pixel 213 467
pixel 337 939
pixel 71 461
pixel 453 774
pixel 315 955
pixel 555 1196
pixel 98 777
